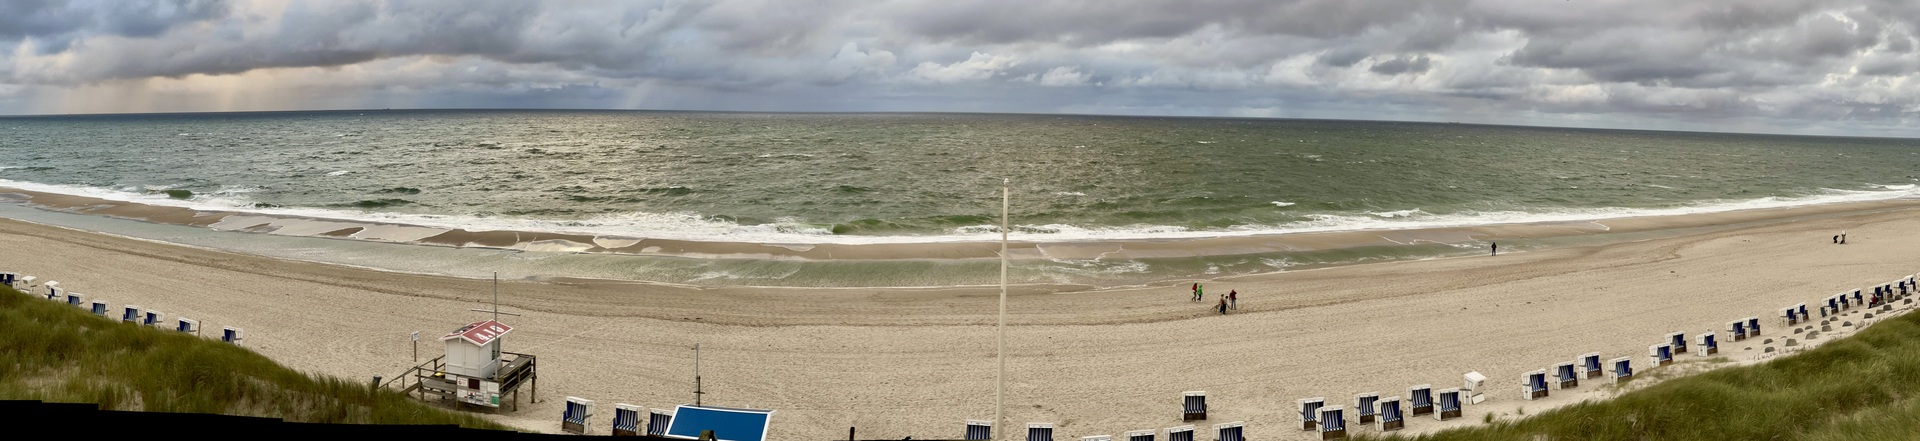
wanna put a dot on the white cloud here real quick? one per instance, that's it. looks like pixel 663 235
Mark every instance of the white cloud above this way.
pixel 1064 77
pixel 979 66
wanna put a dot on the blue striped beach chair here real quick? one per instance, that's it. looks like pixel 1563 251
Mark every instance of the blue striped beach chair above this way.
pixel 1533 385
pixel 8 278
pixel 626 419
pixel 1448 403
pixel 1833 306
pixel 54 292
pixel 1420 399
pixel 187 325
pixel 979 430
pixel 1097 438
pixel 1230 431
pixel 1679 342
pixel 1140 435
pixel 229 334
pixel 1180 433
pixel 1363 406
pixel 1566 375
pixel 1753 326
pixel 99 308
pixel 77 300
pixel 1039 431
pixel 1660 355
pixel 1737 330
pixel 1310 412
pixel 1333 422
pixel 1391 418
pixel 1709 344
pixel 130 313
pixel 577 417
pixel 1803 312
pixel 1622 369
pixel 1790 315
pixel 1857 299
pixel 154 318
pixel 658 421
pixel 1193 405
pixel 1590 363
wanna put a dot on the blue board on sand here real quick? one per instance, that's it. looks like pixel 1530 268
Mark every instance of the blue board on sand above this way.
pixel 727 424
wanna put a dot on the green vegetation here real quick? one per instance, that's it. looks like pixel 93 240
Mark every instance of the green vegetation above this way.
pixel 178 194
pixel 57 353
pixel 1860 387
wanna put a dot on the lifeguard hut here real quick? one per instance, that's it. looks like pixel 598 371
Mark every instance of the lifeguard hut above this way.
pixel 475 370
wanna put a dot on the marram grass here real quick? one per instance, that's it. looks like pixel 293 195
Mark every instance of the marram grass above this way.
pixel 57 353
pixel 1861 387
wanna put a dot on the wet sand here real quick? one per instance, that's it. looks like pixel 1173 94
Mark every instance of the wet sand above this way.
pixel 900 362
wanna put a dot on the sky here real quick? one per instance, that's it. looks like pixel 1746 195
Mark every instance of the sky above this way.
pixel 1845 67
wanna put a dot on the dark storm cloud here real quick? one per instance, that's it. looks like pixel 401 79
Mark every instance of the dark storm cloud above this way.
pixel 1847 61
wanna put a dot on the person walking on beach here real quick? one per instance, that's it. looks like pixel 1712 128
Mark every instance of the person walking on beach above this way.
pixel 1496 248
pixel 1199 293
pixel 1836 238
pixel 1196 285
pixel 1233 299
pixel 1223 305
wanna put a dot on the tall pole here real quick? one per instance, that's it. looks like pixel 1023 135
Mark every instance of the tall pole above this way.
pixel 496 296
pixel 697 374
pixel 1000 378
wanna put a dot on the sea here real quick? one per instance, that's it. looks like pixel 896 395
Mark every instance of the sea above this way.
pixel 831 178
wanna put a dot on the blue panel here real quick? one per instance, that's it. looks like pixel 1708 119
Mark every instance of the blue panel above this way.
pixel 726 424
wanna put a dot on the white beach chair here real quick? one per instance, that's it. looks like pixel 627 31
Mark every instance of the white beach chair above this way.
pixel 99 308
pixel 979 430
pixel 1590 363
pixel 1470 388
pixel 1140 435
pixel 1448 403
pixel 1310 412
pixel 1180 433
pixel 1622 369
pixel 1363 407
pixel 1193 405
pixel 1803 312
pixel 78 300
pixel 1709 344
pixel 1097 438
pixel 1420 400
pixel 1737 330
pixel 1391 417
pixel 577 417
pixel 1857 299
pixel 187 325
pixel 1333 423
pixel 1660 355
pixel 1039 431
pixel 626 419
pixel 154 318
pixel 1566 375
pixel 130 313
pixel 25 284
pixel 659 420
pixel 1533 385
pixel 1679 342
pixel 231 334
pixel 1230 431
pixel 1790 316
pixel 54 292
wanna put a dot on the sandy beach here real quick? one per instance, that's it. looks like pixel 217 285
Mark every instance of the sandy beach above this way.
pixel 917 362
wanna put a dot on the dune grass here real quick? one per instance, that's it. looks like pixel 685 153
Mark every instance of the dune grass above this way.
pixel 1859 387
pixel 58 353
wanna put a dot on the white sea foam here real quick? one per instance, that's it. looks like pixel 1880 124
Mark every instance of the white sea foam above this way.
pixel 1283 204
pixel 339 172
pixel 695 227
pixel 1068 193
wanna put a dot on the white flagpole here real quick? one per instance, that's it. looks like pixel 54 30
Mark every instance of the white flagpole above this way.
pixel 1000 379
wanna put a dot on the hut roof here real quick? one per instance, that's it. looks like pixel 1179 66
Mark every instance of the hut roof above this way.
pixel 480 333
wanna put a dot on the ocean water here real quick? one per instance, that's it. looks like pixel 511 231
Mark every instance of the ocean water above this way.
pixel 871 178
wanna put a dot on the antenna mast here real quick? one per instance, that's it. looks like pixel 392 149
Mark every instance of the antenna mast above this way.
pixel 696 375
pixel 1000 378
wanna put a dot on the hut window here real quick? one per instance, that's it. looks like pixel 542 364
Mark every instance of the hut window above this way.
pixel 473 383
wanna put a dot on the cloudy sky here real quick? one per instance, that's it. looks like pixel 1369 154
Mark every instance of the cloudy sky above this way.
pixel 1792 66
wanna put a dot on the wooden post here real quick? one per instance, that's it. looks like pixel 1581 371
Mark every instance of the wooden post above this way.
pixel 416 347
pixel 849 433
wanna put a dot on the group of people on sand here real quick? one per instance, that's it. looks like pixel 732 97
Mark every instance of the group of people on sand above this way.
pixel 1230 300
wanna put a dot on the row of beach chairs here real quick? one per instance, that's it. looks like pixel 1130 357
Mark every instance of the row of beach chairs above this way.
pixel 52 291
pixel 628 419
pixel 1234 431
